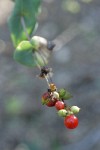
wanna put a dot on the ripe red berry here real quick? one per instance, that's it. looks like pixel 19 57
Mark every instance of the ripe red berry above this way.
pixel 47 100
pixel 71 121
pixel 59 105
pixel 50 103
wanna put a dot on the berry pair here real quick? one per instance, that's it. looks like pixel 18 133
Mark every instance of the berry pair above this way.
pixel 56 98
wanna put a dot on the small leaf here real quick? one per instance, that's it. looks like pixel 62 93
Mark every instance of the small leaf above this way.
pixel 63 94
pixel 23 54
pixel 28 10
pixel 67 96
pixel 26 55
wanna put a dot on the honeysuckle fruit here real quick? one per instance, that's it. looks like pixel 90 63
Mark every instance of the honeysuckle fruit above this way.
pixel 71 121
pixel 55 95
pixel 62 113
pixel 47 100
pixel 75 109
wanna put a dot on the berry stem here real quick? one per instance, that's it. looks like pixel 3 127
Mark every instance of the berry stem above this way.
pixel 47 81
pixel 28 37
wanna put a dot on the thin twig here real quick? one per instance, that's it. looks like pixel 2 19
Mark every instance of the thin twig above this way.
pixel 47 81
pixel 45 65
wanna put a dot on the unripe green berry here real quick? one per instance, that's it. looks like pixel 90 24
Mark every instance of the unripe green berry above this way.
pixel 75 109
pixel 62 113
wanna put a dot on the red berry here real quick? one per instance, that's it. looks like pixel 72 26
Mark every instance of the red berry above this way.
pixel 50 103
pixel 47 100
pixel 59 105
pixel 71 121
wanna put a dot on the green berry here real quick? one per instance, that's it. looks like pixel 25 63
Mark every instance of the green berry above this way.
pixel 75 109
pixel 62 113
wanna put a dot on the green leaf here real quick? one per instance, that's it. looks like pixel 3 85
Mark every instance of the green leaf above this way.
pixel 23 54
pixel 28 10
pixel 26 55
pixel 67 96
pixel 63 94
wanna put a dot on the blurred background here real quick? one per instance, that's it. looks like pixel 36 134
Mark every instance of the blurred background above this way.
pixel 25 124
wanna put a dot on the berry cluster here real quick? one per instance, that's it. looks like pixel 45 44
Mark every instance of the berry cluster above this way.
pixel 56 98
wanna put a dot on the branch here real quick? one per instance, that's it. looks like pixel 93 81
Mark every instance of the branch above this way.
pixel 66 36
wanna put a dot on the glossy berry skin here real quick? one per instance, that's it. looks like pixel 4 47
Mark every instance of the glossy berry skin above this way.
pixel 71 121
pixel 47 100
pixel 59 105
pixel 50 104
